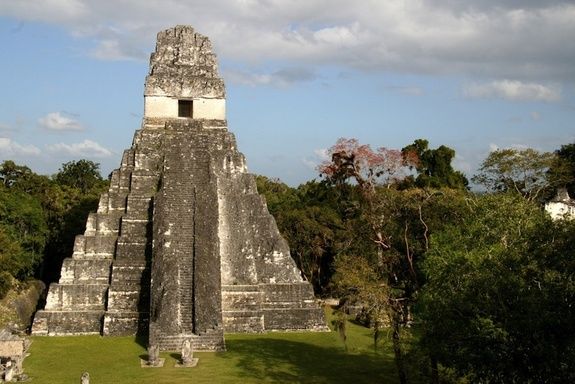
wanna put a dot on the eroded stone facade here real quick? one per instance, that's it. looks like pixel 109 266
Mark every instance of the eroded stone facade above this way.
pixel 182 246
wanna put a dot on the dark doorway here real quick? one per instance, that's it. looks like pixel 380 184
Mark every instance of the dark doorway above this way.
pixel 185 108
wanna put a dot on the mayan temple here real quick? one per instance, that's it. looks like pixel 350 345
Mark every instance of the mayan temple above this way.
pixel 181 246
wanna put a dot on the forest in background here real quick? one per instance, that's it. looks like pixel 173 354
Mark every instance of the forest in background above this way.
pixel 484 280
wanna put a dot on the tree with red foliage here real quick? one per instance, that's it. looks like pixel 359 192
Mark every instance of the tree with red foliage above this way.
pixel 371 170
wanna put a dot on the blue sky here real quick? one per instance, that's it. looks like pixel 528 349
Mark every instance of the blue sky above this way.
pixel 472 75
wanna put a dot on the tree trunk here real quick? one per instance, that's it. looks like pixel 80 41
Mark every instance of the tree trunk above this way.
pixel 434 371
pixel 396 338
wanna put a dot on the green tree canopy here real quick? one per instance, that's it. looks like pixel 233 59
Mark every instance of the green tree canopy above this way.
pixel 497 305
pixel 434 167
pixel 23 236
pixel 562 170
pixel 82 174
pixel 524 171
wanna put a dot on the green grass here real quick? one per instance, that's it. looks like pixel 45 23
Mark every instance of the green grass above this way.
pixel 250 358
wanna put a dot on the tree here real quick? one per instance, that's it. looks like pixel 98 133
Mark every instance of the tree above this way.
pixel 23 235
pixel 21 178
pixel 497 305
pixel 82 174
pixel 562 170
pixel 40 217
pixel 512 170
pixel 434 166
pixel 370 170
pixel 310 218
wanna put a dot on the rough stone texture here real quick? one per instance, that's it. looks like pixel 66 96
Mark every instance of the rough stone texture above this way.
pixel 12 353
pixel 184 65
pixel 11 345
pixel 182 246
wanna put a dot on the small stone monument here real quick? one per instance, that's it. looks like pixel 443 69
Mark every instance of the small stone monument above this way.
pixel 9 371
pixel 153 355
pixel 85 379
pixel 154 360
pixel 188 359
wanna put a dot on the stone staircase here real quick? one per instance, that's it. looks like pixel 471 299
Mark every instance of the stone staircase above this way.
pixel 104 286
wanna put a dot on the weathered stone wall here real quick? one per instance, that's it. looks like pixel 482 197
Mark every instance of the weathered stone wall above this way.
pixel 11 345
pixel 184 66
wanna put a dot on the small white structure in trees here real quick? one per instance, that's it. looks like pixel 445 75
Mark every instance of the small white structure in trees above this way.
pixel 562 206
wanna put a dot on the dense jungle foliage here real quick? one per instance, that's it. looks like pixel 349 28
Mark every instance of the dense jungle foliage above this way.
pixel 485 281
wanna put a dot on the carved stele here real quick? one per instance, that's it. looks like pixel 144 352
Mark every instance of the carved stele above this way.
pixel 182 246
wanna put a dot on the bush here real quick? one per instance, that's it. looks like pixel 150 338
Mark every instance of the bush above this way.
pixel 5 283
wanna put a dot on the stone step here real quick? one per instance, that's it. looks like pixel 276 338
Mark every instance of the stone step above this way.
pixel 126 297
pixel 85 297
pixel 129 273
pixel 127 158
pixel 131 226
pixel 132 251
pixel 56 323
pixel 76 271
pixel 240 288
pixel 116 201
pixel 237 300
pixel 243 321
pixel 125 323
pixel 139 207
pixel 213 342
pixel 102 224
pixel 100 245
pixel 144 182
pixel 97 246
pixel 293 319
pixel 121 179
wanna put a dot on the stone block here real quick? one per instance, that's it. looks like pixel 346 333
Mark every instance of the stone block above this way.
pixel 100 245
pixel 77 271
pixel 132 251
pixel 116 201
pixel 126 297
pixel 144 182
pixel 134 226
pixel 83 297
pixel 291 319
pixel 57 323
pixel 125 323
pixel 139 207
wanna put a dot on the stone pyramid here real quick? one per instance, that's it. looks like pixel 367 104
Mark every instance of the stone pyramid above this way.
pixel 182 246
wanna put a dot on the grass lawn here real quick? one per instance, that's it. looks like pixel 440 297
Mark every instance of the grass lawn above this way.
pixel 250 358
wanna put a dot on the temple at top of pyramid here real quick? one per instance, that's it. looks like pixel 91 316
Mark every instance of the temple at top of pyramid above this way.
pixel 181 247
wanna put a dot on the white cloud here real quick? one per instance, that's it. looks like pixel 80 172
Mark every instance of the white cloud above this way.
pixel 282 78
pixel 11 148
pixel 319 156
pixel 56 121
pixel 535 116
pixel 409 90
pixel 498 39
pixel 322 154
pixel 513 90
pixel 110 50
pixel 86 148
pixel 52 11
pixel 460 163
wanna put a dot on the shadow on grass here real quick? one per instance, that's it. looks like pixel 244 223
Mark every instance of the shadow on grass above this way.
pixel 278 361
